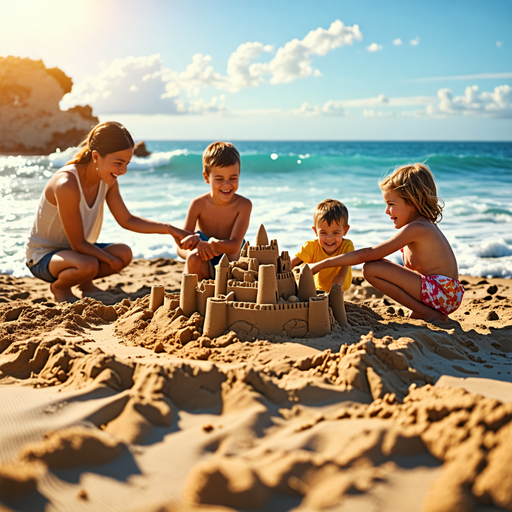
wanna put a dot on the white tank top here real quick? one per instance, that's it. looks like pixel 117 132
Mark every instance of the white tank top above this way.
pixel 47 233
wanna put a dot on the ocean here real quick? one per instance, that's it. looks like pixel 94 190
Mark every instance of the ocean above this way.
pixel 285 181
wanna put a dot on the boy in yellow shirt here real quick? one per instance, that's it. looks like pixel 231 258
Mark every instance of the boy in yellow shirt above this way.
pixel 330 226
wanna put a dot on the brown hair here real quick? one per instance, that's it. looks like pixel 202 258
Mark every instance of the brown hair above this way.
pixel 220 154
pixel 331 211
pixel 105 138
pixel 416 185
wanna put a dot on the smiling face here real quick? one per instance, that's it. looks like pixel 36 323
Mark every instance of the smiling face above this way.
pixel 330 237
pixel 223 182
pixel 112 165
pixel 400 212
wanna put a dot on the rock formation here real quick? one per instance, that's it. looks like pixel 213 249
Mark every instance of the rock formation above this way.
pixel 141 150
pixel 31 122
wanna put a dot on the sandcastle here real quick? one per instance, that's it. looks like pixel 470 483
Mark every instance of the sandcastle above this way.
pixel 259 293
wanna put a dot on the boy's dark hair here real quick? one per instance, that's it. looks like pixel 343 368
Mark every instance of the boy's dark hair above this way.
pixel 331 211
pixel 220 154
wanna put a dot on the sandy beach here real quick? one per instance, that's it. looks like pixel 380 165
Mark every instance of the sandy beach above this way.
pixel 109 406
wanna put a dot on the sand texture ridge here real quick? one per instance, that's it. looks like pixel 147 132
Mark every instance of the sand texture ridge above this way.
pixel 113 404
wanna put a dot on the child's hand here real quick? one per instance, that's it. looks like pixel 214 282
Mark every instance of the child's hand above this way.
pixel 213 244
pixel 205 251
pixel 189 242
pixel 116 264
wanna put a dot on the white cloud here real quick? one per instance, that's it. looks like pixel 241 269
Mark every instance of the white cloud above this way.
pixel 374 47
pixel 366 102
pixel 291 61
pixel 378 113
pixel 294 59
pixel 128 86
pixel 140 85
pixel 200 106
pixel 240 70
pixel 480 76
pixel 499 44
pixel 473 103
pixel 330 108
pixel 415 41
pixel 397 41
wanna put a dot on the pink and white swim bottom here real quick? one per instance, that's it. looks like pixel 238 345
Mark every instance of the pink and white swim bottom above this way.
pixel 441 293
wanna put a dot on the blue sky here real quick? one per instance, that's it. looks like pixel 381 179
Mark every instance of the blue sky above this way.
pixel 278 69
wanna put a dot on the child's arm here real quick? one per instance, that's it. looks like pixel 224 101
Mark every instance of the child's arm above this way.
pixel 404 236
pixel 190 242
pixel 340 276
pixel 138 224
pixel 296 261
pixel 234 243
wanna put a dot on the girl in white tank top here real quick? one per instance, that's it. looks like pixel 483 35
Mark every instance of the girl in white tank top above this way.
pixel 62 247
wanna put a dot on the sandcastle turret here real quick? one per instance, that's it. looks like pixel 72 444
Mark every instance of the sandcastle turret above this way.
pixel 319 323
pixel 216 319
pixel 267 285
pixel 222 276
pixel 188 303
pixel 264 251
pixel 337 304
pixel 261 236
pixel 284 263
pixel 306 286
pixel 253 264
pixel 245 250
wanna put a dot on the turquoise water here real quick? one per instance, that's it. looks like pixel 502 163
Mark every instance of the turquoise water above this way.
pixel 285 181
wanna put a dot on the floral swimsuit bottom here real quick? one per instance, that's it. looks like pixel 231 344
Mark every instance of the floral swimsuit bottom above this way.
pixel 441 293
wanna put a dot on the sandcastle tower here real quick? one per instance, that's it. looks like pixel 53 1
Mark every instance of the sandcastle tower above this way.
pixel 258 293
pixel 222 276
pixel 266 253
pixel 188 302
pixel 267 285
pixel 306 286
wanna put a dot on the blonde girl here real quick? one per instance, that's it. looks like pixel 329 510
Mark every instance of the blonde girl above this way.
pixel 62 248
pixel 428 283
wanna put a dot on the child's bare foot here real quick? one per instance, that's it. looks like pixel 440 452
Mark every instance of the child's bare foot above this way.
pixel 89 289
pixel 435 318
pixel 62 294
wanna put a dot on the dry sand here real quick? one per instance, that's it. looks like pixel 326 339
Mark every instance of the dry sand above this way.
pixel 109 407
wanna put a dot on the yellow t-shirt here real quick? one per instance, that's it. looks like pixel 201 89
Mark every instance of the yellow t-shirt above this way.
pixel 312 252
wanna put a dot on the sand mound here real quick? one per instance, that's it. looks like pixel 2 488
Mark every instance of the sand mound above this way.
pixel 17 478
pixel 173 420
pixel 73 447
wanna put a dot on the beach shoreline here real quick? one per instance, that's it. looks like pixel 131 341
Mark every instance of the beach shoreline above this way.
pixel 343 421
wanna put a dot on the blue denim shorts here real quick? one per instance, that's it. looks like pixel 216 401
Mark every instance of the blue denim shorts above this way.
pixel 41 270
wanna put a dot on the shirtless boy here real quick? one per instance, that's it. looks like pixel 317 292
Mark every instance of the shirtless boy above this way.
pixel 218 219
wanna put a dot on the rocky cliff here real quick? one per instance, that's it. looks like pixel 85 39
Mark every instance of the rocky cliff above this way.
pixel 31 122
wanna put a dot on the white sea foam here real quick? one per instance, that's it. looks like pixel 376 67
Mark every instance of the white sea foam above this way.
pixel 157 159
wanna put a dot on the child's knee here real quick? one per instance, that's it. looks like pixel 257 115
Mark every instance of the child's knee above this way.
pixel 126 254
pixel 89 267
pixel 368 268
pixel 193 260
